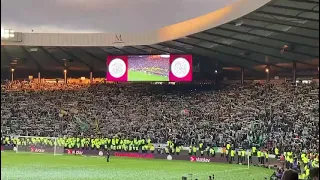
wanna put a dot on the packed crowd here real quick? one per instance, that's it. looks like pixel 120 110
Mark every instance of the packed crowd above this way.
pixel 284 116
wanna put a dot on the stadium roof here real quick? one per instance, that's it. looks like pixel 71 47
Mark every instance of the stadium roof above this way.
pixel 277 34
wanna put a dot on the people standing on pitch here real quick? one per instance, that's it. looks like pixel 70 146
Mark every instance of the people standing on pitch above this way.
pixel 232 153
pixel 227 155
pixel 243 156
pixel 108 155
pixel 266 154
pixel 212 152
pixel 239 155
pixel 261 157
pixel 250 156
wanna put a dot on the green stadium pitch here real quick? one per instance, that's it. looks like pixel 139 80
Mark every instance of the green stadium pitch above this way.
pixel 144 76
pixel 25 166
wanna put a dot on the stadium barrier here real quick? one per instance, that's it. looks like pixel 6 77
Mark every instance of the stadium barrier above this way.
pixel 95 152
pixel 216 149
pixel 134 155
pixel 207 159
pixel 182 156
pixel 6 148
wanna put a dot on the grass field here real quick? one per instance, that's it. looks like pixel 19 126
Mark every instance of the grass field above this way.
pixel 141 76
pixel 25 166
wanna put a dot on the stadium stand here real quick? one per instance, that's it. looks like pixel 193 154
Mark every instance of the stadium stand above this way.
pixel 134 117
pixel 266 115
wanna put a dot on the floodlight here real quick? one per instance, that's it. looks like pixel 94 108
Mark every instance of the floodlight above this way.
pixel 7 33
pixel 267 70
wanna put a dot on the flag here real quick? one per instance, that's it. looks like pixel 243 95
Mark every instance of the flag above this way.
pixel 83 126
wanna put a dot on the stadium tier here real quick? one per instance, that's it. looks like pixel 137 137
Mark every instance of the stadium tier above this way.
pixel 134 120
pixel 233 94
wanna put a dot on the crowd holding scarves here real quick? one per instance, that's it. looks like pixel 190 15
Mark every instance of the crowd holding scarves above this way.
pixel 269 117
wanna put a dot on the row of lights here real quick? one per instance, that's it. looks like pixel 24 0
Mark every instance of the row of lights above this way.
pixel 215 71
pixel 7 33
pixel 65 71
pixel 266 69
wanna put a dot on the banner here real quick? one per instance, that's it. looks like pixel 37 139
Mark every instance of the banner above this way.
pixel 90 152
pixel 206 159
pixel 199 159
pixel 37 150
pixel 95 152
pixel 134 155
pixel 182 156
pixel 72 151
pixel 5 148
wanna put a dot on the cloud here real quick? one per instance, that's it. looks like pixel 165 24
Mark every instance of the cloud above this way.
pixel 101 15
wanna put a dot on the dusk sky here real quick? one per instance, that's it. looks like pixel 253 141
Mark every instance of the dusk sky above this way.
pixel 101 15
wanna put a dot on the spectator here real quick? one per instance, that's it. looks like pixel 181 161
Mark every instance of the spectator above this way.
pixel 314 174
pixel 290 175
pixel 267 116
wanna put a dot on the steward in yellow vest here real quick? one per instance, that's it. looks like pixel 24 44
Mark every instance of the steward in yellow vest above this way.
pixel 232 153
pixel 212 152
pixel 267 156
pixel 177 150
pixel 228 146
pixel 152 149
pixel 276 152
pixel 259 156
pixel 254 151
pixel 243 156
pixel 194 150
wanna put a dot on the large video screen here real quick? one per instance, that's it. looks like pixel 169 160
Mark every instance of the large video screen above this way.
pixel 141 68
pixel 148 68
